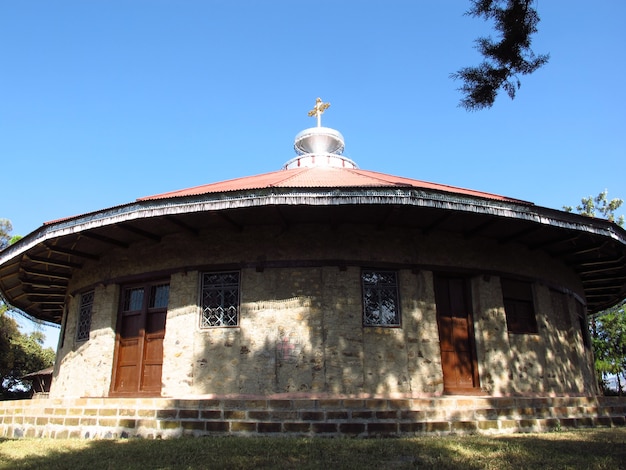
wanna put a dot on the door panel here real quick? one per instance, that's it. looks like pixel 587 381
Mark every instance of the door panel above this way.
pixel 454 319
pixel 139 342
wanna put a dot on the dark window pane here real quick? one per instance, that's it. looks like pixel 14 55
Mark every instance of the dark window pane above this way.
pixel 159 296
pixel 133 299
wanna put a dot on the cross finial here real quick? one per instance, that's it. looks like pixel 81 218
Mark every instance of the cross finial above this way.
pixel 318 110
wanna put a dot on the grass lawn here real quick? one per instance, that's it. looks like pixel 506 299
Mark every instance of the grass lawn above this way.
pixel 588 449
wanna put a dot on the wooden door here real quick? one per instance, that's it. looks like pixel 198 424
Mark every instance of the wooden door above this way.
pixel 456 338
pixel 138 360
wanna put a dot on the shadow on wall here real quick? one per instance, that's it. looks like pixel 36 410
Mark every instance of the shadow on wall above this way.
pixel 301 332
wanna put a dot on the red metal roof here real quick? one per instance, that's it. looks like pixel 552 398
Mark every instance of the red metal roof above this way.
pixel 323 177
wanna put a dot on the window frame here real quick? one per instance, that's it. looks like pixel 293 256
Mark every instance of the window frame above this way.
pixel 393 288
pixel 83 320
pixel 514 301
pixel 203 323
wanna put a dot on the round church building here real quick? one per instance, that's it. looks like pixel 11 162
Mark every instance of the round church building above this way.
pixel 320 280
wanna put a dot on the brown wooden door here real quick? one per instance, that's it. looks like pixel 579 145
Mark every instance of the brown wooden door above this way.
pixel 138 358
pixel 454 318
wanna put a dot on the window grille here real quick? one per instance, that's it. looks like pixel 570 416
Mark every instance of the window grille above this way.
pixel 220 299
pixel 519 306
pixel 380 298
pixel 84 316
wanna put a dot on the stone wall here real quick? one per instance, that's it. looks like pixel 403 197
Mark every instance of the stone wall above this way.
pixel 364 417
pixel 301 324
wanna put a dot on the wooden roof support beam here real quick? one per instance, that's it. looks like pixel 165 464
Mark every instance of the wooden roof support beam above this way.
pixel 479 228
pixel 70 252
pixel 582 251
pixel 593 281
pixel 554 241
pixel 586 272
pixel 53 262
pixel 429 228
pixel 45 285
pixel 179 223
pixel 391 212
pixel 139 231
pixel 51 275
pixel 283 222
pixel 229 221
pixel 520 234
pixel 610 287
pixel 59 293
pixel 603 262
pixel 105 239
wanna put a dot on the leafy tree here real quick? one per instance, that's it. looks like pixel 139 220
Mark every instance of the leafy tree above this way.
pixel 516 21
pixel 608 327
pixel 20 354
pixel 591 206
pixel 5 231
pixel 609 345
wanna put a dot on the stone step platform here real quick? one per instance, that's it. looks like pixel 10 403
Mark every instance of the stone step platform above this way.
pixel 322 416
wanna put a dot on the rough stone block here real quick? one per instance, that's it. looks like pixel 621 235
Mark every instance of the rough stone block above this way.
pixel 437 426
pixel 312 416
pixel 463 426
pixel 269 427
pixel 487 425
pixel 279 404
pixel 297 427
pixel 240 426
pixel 127 423
pixel 352 428
pixel 210 414
pixel 216 426
pixel 336 415
pixel 329 404
pixel 386 415
pixel 188 414
pixel 324 428
pixel 382 428
pixel 193 425
pixel 166 414
pixel 164 425
pixel 259 415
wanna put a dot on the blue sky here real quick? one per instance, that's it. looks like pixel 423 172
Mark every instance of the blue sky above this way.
pixel 104 101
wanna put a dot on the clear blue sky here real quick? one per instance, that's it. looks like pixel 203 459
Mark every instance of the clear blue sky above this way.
pixel 104 101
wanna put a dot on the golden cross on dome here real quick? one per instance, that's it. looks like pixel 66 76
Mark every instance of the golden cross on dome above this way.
pixel 318 110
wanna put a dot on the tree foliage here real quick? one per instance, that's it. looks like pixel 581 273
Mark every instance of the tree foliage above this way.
pixel 608 330
pixel 5 233
pixel 516 21
pixel 599 206
pixel 20 354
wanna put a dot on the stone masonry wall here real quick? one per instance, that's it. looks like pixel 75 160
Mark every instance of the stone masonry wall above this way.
pixel 153 418
pixel 301 326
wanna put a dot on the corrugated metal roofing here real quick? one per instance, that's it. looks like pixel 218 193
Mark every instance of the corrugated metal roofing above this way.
pixel 323 177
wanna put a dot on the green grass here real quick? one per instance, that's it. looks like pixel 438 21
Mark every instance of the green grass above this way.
pixel 584 449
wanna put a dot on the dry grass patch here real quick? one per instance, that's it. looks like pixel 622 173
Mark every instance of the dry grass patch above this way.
pixel 589 449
